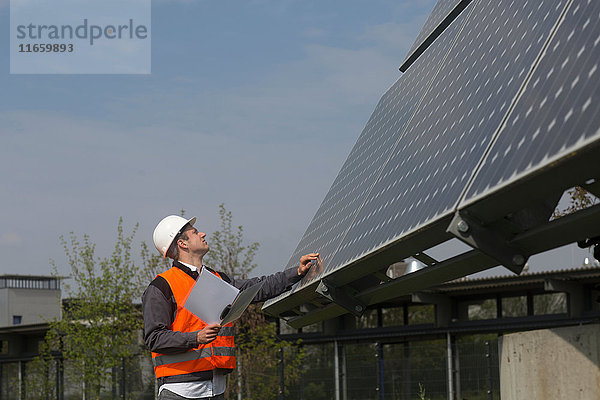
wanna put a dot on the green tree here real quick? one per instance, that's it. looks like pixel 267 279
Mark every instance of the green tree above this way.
pixel 99 333
pixel 228 252
pixel 258 348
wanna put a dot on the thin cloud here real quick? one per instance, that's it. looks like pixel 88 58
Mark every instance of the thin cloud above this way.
pixel 336 86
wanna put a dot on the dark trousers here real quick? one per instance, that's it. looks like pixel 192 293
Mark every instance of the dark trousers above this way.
pixel 166 394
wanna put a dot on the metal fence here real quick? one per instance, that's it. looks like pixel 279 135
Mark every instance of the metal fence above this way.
pixel 363 371
pixel 401 371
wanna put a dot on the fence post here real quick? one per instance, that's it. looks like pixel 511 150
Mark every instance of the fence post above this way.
pixel 380 372
pixel 449 366
pixel 58 385
pixel 281 375
pixel 123 380
pixel 336 369
pixel 21 381
pixel 488 356
pixel 344 375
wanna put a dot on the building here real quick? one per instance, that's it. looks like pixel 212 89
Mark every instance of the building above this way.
pixel 27 303
pixel 28 299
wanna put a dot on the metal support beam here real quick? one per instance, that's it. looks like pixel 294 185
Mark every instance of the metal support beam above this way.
pixel 549 235
pixel 447 270
pixel 453 268
pixel 488 241
pixel 443 306
pixel 341 297
pixel 574 290
pixel 571 228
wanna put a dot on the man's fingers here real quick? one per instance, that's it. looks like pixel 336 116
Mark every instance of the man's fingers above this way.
pixel 309 257
pixel 213 329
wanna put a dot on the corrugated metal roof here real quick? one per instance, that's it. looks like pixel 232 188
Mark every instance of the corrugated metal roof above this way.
pixel 520 280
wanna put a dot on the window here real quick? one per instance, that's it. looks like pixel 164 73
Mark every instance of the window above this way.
pixel 514 306
pixel 313 328
pixel 393 316
pixel 17 319
pixel 550 303
pixel 485 309
pixel 422 314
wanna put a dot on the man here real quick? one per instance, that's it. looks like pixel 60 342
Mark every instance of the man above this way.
pixel 191 358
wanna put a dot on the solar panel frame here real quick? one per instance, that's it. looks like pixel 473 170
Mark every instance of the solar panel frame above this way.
pixel 442 15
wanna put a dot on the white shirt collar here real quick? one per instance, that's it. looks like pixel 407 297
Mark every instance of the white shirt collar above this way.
pixel 190 266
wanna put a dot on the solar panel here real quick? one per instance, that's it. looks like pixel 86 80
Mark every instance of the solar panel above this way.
pixel 557 113
pixel 428 135
pixel 369 154
pixel 454 124
pixel 444 12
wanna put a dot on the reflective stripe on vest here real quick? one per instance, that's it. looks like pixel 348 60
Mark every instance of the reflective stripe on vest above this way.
pixel 175 358
pixel 220 353
pixel 223 351
pixel 226 331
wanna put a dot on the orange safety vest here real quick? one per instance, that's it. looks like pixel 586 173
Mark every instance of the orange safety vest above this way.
pixel 220 353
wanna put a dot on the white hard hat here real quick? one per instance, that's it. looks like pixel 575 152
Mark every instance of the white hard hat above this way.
pixel 167 229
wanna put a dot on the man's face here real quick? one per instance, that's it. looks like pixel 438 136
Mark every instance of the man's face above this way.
pixel 196 242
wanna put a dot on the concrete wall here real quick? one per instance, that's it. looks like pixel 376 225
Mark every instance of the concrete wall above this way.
pixel 561 363
pixel 34 305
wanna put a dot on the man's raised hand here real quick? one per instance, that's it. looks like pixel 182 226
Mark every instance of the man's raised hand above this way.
pixel 305 263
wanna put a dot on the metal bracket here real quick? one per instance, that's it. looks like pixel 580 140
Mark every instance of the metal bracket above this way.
pixel 341 298
pixel 425 259
pixel 487 241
